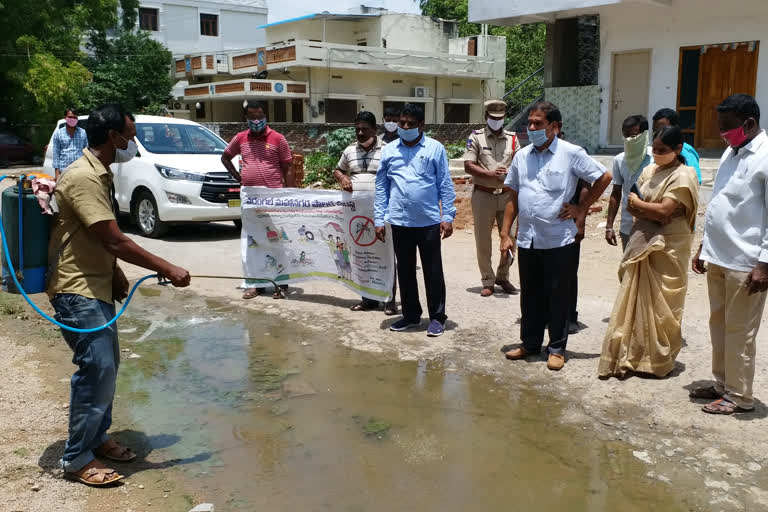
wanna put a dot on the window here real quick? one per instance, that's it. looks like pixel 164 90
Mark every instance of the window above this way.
pixel 456 113
pixel 279 111
pixel 148 19
pixel 209 25
pixel 340 111
pixel 183 139
pixel 297 110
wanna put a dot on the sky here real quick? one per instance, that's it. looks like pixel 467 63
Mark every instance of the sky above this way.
pixel 280 9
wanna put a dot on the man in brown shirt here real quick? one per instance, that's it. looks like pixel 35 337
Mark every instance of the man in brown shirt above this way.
pixel 489 152
pixel 83 285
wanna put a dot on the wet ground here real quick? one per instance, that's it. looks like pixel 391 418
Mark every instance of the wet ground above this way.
pixel 257 412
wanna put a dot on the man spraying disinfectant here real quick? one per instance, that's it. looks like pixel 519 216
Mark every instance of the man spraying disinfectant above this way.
pixel 85 281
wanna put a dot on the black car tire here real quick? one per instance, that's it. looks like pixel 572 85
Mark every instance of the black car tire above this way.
pixel 146 216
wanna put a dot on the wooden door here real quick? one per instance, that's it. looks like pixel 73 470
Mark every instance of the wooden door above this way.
pixel 722 72
pixel 631 82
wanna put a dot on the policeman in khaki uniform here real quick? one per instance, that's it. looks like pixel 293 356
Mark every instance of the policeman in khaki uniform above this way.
pixel 489 154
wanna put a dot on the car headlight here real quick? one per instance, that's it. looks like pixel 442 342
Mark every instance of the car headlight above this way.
pixel 176 174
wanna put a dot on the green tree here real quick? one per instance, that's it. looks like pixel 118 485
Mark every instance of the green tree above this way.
pixel 525 47
pixel 40 55
pixel 132 69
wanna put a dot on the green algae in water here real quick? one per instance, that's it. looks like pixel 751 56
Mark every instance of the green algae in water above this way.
pixel 376 427
pixel 156 355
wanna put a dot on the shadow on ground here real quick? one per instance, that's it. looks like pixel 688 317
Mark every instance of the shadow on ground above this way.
pixel 139 442
pixel 190 232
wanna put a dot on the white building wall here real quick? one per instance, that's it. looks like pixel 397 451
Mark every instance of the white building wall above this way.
pixel 179 26
pixel 338 32
pixel 238 30
pixel 412 32
pixel 664 30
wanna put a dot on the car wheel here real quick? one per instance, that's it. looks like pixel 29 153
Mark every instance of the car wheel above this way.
pixel 238 223
pixel 146 216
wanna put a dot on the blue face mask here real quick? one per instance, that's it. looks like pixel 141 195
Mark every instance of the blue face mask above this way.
pixel 408 135
pixel 538 137
pixel 257 126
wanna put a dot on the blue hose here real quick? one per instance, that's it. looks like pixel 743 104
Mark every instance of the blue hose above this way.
pixel 34 306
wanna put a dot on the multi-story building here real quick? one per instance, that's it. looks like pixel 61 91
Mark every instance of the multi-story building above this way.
pixel 324 68
pixel 644 55
pixel 191 26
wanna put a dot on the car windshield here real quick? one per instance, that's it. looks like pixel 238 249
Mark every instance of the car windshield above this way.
pixel 178 138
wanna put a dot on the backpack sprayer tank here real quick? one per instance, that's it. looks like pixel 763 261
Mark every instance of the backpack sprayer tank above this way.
pixel 27 230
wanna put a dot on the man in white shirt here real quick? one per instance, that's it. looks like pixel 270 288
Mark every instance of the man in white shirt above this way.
pixel 627 167
pixel 356 171
pixel 735 248
pixel 543 178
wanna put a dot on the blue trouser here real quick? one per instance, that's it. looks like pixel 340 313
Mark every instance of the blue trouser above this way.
pixel 97 356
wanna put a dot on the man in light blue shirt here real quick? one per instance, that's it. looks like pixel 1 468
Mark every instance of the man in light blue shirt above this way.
pixel 627 167
pixel 414 193
pixel 69 141
pixel 543 178
pixel 669 117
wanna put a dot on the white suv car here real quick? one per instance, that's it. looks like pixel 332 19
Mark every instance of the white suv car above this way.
pixel 176 177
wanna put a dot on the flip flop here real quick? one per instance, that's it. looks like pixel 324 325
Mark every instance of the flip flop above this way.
pixel 726 408
pixel 117 453
pixel 251 293
pixel 362 306
pixel 95 477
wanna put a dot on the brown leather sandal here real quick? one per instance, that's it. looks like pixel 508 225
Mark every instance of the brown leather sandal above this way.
pixel 251 293
pixel 116 453
pixel 95 477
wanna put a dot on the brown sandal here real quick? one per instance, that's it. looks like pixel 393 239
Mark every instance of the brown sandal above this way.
pixel 116 453
pixel 724 407
pixel 95 477
pixel 251 293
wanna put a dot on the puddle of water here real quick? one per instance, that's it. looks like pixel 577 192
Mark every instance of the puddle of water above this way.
pixel 258 412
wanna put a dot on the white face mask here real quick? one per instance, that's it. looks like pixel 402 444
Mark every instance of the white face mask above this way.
pixel 495 124
pixel 390 126
pixel 126 155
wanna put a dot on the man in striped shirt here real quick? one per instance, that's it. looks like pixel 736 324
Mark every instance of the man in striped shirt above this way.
pixel 356 171
pixel 266 161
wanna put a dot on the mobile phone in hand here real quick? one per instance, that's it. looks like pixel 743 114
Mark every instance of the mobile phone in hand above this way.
pixel 636 191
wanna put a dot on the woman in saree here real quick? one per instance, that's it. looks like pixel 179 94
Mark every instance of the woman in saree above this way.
pixel 644 334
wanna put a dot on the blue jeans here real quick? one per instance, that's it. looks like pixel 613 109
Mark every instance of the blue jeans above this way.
pixel 97 356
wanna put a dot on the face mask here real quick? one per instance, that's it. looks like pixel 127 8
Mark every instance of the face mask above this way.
pixel 635 149
pixel 127 154
pixel 408 135
pixel 366 142
pixel 71 122
pixel 495 124
pixel 538 137
pixel 390 126
pixel 665 159
pixel 736 137
pixel 257 126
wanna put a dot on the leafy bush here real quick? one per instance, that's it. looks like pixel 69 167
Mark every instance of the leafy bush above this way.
pixel 456 150
pixel 319 167
pixel 337 140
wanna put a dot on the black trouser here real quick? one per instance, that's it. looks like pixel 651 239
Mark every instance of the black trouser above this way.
pixel 576 255
pixel 546 276
pixel 427 240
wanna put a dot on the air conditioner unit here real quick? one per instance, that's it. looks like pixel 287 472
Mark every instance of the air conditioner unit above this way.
pixel 421 92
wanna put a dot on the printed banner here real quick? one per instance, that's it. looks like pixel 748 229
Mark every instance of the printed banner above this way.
pixel 290 235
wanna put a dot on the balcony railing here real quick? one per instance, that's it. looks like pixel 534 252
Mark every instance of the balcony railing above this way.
pixel 317 54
